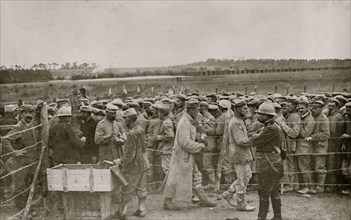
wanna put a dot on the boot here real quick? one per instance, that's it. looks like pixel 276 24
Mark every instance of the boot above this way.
pixel 140 212
pixel 168 205
pixel 228 179
pixel 263 209
pixel 203 199
pixel 321 179
pixel 122 212
pixel 228 196
pixel 211 180
pixel 242 206
pixel 277 209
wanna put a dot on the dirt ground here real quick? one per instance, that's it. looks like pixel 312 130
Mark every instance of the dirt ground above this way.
pixel 323 206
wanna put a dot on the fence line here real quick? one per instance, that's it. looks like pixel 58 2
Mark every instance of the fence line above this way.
pixel 15 171
pixel 34 145
pixel 20 132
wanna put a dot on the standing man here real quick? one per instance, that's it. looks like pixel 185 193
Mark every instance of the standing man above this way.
pixel 304 147
pixel 319 140
pixel 109 136
pixel 269 163
pixel 179 106
pixel 134 166
pixel 346 147
pixel 240 155
pixel 63 140
pixel 183 174
pixel 90 152
pixel 15 141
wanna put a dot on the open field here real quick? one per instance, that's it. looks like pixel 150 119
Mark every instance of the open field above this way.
pixel 315 81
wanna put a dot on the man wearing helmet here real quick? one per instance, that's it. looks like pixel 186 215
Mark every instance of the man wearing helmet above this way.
pixel 269 165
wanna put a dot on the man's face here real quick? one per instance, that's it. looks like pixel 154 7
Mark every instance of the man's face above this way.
pixel 332 106
pixel 27 115
pixel 242 110
pixel 111 115
pixel 203 109
pixel 302 109
pixel 193 112
pixel 84 115
pixel 316 109
pixel 262 118
pixel 178 103
pixel 290 107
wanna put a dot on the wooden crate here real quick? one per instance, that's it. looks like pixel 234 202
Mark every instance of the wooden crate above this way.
pixel 79 178
pixel 87 205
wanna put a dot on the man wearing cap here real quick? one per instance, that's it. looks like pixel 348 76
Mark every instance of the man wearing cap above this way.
pixel 337 128
pixel 184 176
pixel 212 97
pixel 291 128
pixel 346 147
pixel 60 103
pixel 239 153
pixel 90 152
pixel 209 125
pixel 16 142
pixel 304 147
pixel 141 121
pixel 109 135
pixel 319 140
pixel 134 166
pixel 269 164
pixel 179 106
pixel 63 140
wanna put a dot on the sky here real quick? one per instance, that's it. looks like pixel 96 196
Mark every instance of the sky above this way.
pixel 164 33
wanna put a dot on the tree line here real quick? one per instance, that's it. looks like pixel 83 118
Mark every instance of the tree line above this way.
pixel 24 75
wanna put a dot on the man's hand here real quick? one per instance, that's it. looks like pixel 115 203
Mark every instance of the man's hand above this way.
pixel 254 136
pixel 343 147
pixel 18 153
pixel 308 139
pixel 117 162
pixel 344 136
pixel 83 139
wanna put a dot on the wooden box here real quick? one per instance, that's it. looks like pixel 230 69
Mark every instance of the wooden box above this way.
pixel 80 178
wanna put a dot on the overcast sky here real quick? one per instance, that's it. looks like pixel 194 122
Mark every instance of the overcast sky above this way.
pixel 153 33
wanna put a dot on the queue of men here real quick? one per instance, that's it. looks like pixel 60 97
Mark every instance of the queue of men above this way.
pixel 177 140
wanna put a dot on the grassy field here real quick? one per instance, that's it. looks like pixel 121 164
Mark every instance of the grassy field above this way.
pixel 315 81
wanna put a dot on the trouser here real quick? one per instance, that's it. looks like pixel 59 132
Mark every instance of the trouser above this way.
pixel 319 164
pixel 228 171
pixel 346 170
pixel 333 162
pixel 165 160
pixel 136 184
pixel 243 176
pixel 292 164
pixel 197 177
pixel 304 162
pixel 208 168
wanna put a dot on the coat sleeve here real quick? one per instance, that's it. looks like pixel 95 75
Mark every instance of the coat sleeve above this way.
pixel 185 141
pixel 210 126
pixel 324 131
pixel 307 128
pixel 239 135
pixel 168 132
pixel 263 137
pixel 10 137
pixel 292 128
pixel 219 127
pixel 100 135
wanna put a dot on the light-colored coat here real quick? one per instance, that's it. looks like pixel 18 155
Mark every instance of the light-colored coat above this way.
pixel 179 182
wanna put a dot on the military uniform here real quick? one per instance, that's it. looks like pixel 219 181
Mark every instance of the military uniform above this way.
pixel 90 149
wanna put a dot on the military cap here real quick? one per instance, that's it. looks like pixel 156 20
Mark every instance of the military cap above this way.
pixel 254 102
pixel 212 107
pixel 85 108
pixel 222 97
pixel 318 102
pixel 10 108
pixel 192 103
pixel 53 105
pixel 226 94
pixel 291 99
pixel 239 94
pixel 97 104
pixel 194 93
pixel 276 105
pixel 238 102
pixel 147 103
pixel 139 100
pixel 182 97
pixel 129 112
pixel 129 98
pixel 204 104
pixel 334 100
pixel 98 111
pixel 348 104
pixel 283 104
pixel 148 100
pixel 118 102
pixel 163 107
pixel 224 104
pixel 211 95
pixel 111 108
pixel 157 105
pixel 327 94
pixel 303 100
pixel 26 107
pixel 104 101
pixel 84 100
pixel 133 104
pixel 202 98
pixel 341 99
pixel 321 97
pixel 166 101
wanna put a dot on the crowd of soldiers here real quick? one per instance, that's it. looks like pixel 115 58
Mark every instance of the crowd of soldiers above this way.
pixel 178 140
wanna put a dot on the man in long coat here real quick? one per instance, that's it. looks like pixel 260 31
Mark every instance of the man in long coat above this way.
pixel 184 175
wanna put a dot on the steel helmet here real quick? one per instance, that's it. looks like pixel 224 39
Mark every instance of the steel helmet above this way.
pixel 266 108
pixel 64 111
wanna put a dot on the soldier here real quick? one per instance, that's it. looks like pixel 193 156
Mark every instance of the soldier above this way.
pixel 346 147
pixel 16 141
pixel 336 125
pixel 291 128
pixel 141 121
pixel 304 147
pixel 209 125
pixel 269 164
pixel 184 175
pixel 109 135
pixel 179 106
pixel 63 140
pixel 134 166
pixel 90 152
pixel 319 140
pixel 240 155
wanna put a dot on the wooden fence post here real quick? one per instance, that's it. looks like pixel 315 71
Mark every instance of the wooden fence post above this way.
pixel 276 89
pixel 304 88
pixel 44 134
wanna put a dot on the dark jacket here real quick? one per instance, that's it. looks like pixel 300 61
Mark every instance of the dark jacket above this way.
pixel 269 138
